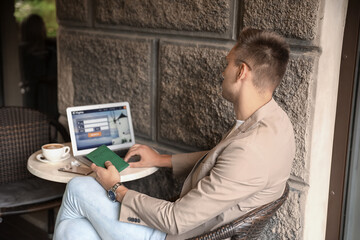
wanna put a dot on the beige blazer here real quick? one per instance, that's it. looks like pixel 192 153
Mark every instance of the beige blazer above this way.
pixel 245 170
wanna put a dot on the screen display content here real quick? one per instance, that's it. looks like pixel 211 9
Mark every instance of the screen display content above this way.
pixel 96 127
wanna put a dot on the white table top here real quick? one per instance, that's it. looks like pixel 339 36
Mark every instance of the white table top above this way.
pixel 49 171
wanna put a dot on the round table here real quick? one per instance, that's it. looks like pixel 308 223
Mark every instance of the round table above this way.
pixel 49 171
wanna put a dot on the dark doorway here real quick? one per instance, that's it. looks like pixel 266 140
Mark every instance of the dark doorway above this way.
pixel 38 54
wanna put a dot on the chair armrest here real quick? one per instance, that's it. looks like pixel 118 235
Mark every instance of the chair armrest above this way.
pixel 61 129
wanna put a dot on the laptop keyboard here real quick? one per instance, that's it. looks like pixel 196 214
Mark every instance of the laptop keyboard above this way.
pixel 83 160
pixel 120 153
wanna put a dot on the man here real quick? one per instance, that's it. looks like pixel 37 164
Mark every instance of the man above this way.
pixel 247 169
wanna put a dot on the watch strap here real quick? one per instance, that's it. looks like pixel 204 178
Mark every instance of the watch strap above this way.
pixel 116 185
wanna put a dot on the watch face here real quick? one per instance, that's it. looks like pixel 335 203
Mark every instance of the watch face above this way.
pixel 111 195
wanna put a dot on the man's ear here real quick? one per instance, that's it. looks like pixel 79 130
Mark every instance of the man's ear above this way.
pixel 242 72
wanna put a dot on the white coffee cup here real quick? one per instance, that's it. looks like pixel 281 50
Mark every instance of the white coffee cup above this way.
pixel 55 151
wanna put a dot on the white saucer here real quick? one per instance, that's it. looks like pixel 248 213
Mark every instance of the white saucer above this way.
pixel 41 158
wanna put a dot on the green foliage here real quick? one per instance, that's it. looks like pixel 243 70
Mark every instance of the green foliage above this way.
pixel 44 8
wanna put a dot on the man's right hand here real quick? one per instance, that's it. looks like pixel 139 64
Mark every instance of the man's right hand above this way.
pixel 148 157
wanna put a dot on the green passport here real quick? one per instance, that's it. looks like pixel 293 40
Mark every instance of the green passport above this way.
pixel 102 154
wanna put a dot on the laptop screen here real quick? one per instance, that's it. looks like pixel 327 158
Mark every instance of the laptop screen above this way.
pixel 103 124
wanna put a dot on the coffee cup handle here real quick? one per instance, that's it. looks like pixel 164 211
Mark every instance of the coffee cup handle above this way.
pixel 66 151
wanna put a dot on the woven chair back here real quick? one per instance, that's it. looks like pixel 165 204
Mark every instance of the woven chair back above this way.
pixel 22 132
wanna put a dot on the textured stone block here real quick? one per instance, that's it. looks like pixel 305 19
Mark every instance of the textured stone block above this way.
pixel 286 223
pixel 107 69
pixel 294 96
pixel 192 110
pixel 293 19
pixel 161 184
pixel 74 10
pixel 184 15
pixel 65 80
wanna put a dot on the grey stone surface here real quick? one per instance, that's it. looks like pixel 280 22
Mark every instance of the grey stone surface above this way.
pixel 161 184
pixel 105 69
pixel 65 82
pixel 192 110
pixel 74 10
pixel 293 95
pixel 184 15
pixel 286 223
pixel 293 19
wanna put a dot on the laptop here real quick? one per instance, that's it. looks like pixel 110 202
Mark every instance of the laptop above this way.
pixel 103 124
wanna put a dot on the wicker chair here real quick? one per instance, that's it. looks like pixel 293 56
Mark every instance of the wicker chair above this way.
pixel 248 226
pixel 22 132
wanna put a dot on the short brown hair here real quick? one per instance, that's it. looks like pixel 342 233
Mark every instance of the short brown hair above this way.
pixel 266 53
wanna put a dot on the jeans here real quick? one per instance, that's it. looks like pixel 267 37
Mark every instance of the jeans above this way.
pixel 87 213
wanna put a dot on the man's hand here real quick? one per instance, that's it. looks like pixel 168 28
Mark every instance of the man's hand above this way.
pixel 148 157
pixel 108 176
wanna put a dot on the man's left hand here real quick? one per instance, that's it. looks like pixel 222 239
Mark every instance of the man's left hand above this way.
pixel 108 176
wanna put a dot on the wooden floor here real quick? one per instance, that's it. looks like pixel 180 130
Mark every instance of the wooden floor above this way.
pixel 16 228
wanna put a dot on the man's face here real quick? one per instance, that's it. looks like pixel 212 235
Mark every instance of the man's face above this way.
pixel 230 74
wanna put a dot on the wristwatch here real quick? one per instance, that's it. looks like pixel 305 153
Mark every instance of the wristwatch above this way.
pixel 112 192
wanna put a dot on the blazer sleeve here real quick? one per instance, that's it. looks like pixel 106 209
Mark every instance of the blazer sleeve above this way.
pixel 183 163
pixel 235 176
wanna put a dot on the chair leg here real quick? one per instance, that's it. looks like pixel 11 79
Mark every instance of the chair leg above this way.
pixel 51 223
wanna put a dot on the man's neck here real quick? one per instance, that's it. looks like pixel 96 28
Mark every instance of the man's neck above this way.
pixel 247 106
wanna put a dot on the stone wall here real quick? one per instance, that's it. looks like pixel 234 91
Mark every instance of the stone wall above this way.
pixel 163 56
